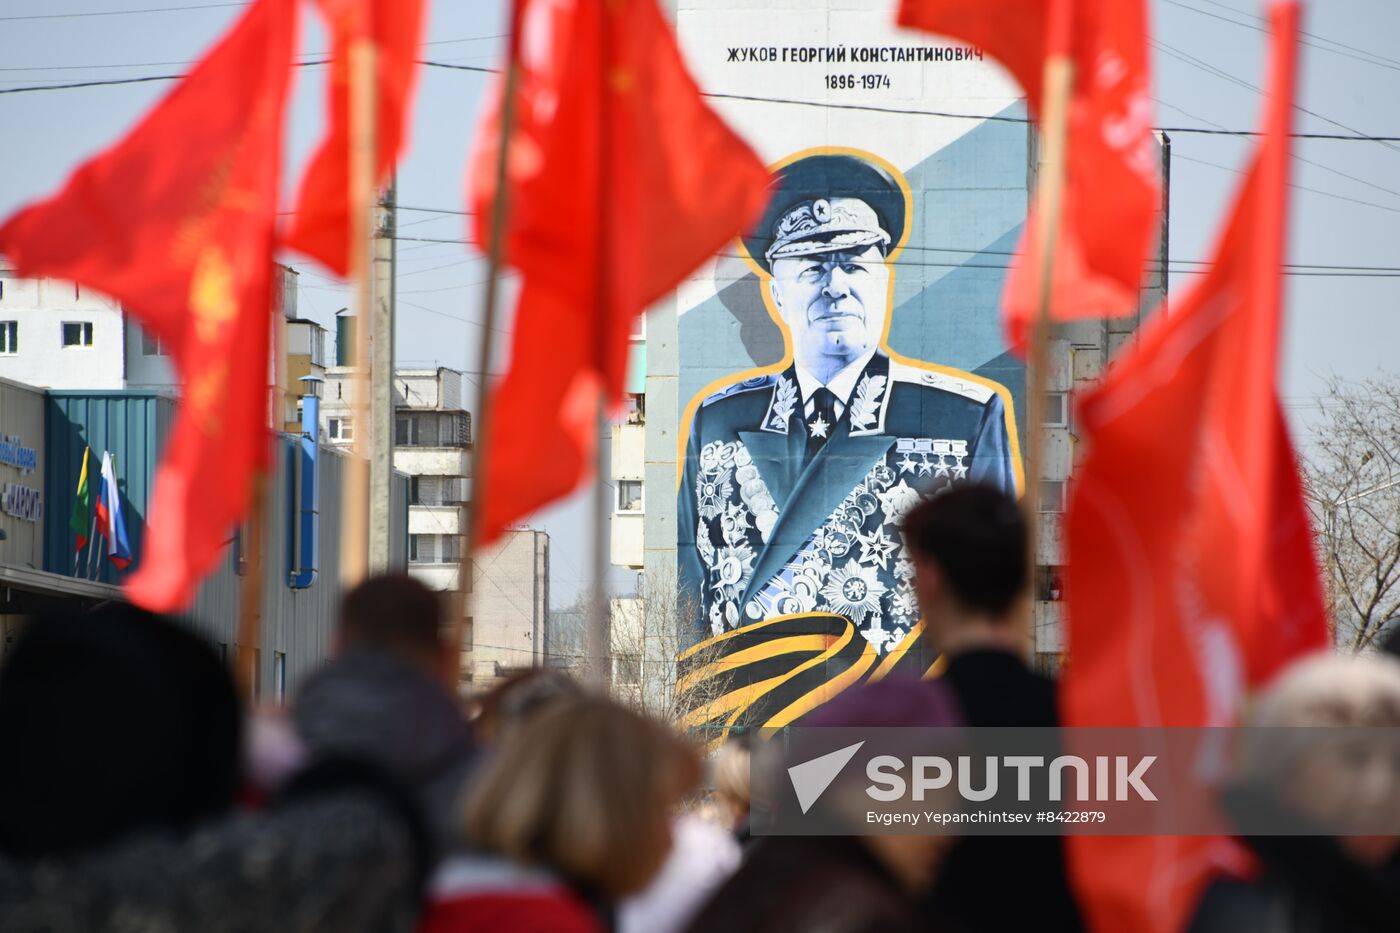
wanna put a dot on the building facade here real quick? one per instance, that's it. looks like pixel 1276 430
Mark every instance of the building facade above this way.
pixel 508 601
pixel 928 148
pixel 58 335
pixel 76 374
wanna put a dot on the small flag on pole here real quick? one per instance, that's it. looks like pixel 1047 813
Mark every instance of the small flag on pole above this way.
pixel 109 516
pixel 81 515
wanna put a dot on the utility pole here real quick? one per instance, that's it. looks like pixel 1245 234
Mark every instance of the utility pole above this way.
pixel 380 357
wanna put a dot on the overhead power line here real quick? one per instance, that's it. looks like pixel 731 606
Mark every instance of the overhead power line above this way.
pixel 825 105
pixel 1370 58
pixel 87 13
pixel 193 61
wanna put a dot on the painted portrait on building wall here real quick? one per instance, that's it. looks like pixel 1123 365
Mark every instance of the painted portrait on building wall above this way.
pixel 796 476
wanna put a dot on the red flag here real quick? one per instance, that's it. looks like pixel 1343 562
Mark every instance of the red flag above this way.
pixel 390 29
pixel 621 182
pixel 1112 186
pixel 1192 577
pixel 177 222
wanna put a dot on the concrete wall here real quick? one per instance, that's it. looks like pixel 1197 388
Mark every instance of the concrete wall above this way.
pixel 41 307
pixel 510 605
pixel 428 388
pixel 143 371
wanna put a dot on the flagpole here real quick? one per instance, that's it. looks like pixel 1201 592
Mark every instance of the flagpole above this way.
pixel 599 634
pixel 354 536
pixel 495 254
pixel 91 543
pixel 1058 83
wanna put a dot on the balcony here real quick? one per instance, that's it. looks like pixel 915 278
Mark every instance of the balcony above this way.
pixel 433 461
pixel 435 576
pixel 434 519
pixel 628 451
pixel 627 538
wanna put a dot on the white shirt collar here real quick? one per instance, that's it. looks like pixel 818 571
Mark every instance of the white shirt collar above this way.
pixel 841 384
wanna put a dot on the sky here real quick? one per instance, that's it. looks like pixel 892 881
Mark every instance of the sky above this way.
pixel 1207 54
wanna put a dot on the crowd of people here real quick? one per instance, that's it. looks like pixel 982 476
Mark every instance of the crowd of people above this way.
pixel 138 794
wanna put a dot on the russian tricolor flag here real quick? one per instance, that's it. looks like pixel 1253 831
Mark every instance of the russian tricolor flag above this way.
pixel 109 516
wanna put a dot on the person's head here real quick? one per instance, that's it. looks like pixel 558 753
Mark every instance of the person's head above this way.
pixel 887 708
pixel 395 615
pixel 731 775
pixel 1339 778
pixel 513 701
pixel 835 304
pixel 968 545
pixel 584 789
pixel 824 238
pixel 112 722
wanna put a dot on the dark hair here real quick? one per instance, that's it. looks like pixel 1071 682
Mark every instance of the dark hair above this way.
pixel 977 536
pixel 395 614
pixel 112 721
pixel 512 702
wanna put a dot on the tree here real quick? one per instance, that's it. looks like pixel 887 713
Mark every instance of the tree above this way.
pixel 648 636
pixel 1352 483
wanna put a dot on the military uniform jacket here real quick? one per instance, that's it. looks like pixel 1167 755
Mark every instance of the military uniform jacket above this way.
pixel 763 531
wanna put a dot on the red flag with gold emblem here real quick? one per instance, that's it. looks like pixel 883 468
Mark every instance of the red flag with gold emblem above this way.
pixel 1192 578
pixel 177 222
pixel 388 31
pixel 621 182
pixel 1112 188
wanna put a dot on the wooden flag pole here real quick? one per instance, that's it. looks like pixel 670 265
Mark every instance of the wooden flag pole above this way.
pixel 1059 81
pixel 599 640
pixel 354 533
pixel 250 585
pixel 486 350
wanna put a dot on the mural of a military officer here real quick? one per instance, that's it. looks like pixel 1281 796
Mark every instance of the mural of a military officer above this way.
pixel 795 483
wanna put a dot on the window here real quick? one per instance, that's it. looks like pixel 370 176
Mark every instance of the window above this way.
pixel 634 408
pixel 2 289
pixel 1056 409
pixel 629 495
pixel 1049 584
pixel 77 333
pixel 414 548
pixel 627 668
pixel 406 431
pixel 1052 495
pixel 9 336
pixel 414 495
pixel 340 429
pixel 449 549
pixel 151 344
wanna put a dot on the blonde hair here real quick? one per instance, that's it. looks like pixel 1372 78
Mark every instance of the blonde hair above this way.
pixel 1333 690
pixel 584 788
pixel 1324 689
pixel 731 776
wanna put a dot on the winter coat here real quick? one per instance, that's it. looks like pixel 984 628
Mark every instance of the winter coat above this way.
pixel 338 855
pixel 997 689
pixel 808 884
pixel 487 894
pixel 372 705
pixel 1305 884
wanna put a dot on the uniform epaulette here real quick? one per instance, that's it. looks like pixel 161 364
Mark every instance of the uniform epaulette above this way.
pixel 748 385
pixel 938 379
